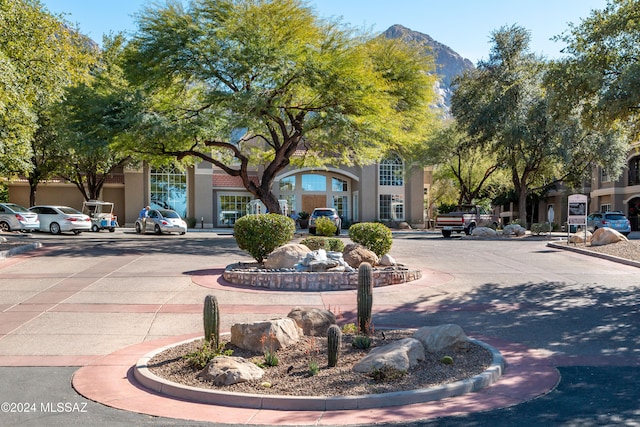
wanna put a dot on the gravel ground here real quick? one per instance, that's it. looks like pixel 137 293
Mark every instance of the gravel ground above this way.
pixel 626 249
pixel 291 376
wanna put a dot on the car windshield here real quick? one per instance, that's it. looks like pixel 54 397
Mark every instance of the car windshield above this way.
pixel 169 214
pixel 69 211
pixel 616 217
pixel 323 213
pixel 16 208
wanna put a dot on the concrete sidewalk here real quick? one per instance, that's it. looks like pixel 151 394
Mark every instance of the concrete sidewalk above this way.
pixel 102 302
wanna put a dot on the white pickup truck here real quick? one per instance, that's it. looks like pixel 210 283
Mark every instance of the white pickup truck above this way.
pixel 465 218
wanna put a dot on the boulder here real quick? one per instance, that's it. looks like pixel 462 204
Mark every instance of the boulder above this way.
pixel 387 260
pixel 321 260
pixel 606 236
pixel 579 237
pixel 437 338
pixel 312 321
pixel 483 232
pixel 271 335
pixel 355 254
pixel 514 229
pixel 400 355
pixel 286 256
pixel 227 370
pixel 404 226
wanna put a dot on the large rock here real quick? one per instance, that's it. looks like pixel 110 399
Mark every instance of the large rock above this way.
pixel 400 355
pixel 606 236
pixel 579 237
pixel 320 261
pixel 387 260
pixel 438 338
pixel 270 335
pixel 514 229
pixel 227 370
pixel 286 256
pixel 483 232
pixel 313 321
pixel 355 254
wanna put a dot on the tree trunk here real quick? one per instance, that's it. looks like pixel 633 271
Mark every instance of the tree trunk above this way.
pixel 33 188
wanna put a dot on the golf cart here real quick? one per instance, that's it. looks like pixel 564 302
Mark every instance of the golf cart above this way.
pixel 101 214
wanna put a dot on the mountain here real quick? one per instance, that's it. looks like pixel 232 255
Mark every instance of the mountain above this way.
pixel 449 63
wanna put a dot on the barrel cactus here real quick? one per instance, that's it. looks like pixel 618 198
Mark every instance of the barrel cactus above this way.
pixel 211 318
pixel 334 342
pixel 365 297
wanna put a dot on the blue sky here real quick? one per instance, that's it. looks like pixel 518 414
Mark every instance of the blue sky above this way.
pixel 463 25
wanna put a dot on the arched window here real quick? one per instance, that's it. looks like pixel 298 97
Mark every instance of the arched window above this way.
pixel 169 189
pixel 392 171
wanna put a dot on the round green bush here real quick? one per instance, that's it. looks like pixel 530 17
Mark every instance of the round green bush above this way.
pixel 261 234
pixel 372 235
pixel 328 244
pixel 325 227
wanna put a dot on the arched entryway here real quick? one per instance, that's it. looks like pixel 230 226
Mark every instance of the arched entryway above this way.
pixel 633 213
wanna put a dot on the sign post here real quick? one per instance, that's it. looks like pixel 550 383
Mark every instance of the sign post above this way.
pixel 577 214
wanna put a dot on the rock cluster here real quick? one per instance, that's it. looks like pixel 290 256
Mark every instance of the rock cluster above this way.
pixel 600 237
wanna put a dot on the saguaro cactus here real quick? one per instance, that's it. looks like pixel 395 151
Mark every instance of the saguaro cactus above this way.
pixel 334 342
pixel 365 298
pixel 211 318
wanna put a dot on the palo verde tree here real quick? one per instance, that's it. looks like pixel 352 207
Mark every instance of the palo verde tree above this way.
pixel 246 84
pixel 505 106
pixel 40 54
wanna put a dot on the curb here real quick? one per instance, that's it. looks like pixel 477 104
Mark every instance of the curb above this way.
pixel 20 249
pixel 164 387
pixel 581 251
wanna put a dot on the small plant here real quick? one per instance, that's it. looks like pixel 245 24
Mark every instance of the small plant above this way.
pixel 211 320
pixel 327 243
pixel 365 298
pixel 325 227
pixel 373 236
pixel 199 358
pixel 386 373
pixel 349 329
pixel 270 356
pixel 447 360
pixel 334 342
pixel 313 368
pixel 312 353
pixel 261 234
pixel 361 342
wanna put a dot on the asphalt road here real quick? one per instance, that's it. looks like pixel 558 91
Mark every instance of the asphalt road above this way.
pixel 580 312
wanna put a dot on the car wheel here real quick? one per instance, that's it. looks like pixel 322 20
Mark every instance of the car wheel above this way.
pixel 95 228
pixel 76 232
pixel 338 227
pixel 111 230
pixel 469 229
pixel 446 233
pixel 54 228
pixel 157 229
pixel 138 229
pixel 4 226
pixel 182 233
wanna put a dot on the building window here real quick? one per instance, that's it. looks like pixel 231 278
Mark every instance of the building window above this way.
pixel 391 207
pixel 291 201
pixel 634 171
pixel 169 189
pixel 314 182
pixel 339 185
pixel 392 171
pixel 288 183
pixel 340 204
pixel 231 207
pixel 605 208
pixel 604 176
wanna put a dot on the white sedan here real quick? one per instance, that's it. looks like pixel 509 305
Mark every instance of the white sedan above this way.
pixel 57 219
pixel 161 221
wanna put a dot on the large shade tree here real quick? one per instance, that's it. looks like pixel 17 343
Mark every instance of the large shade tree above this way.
pixel 249 83
pixel 40 54
pixel 505 106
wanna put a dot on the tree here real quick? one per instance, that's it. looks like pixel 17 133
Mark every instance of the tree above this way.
pixel 91 118
pixel 40 54
pixel 505 106
pixel 246 83
pixel 601 72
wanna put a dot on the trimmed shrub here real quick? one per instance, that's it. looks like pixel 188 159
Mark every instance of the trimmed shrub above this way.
pixel 261 234
pixel 328 244
pixel 538 228
pixel 372 235
pixel 325 227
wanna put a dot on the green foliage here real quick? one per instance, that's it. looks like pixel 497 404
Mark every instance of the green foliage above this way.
pixel 373 236
pixel 304 215
pixel 329 244
pixel 325 227
pixel 361 342
pixel 365 298
pixel 199 358
pixel 349 328
pixel 314 368
pixel 270 358
pixel 447 360
pixel 4 192
pixel 387 373
pixel 191 221
pixel 211 320
pixel 261 234
pixel 334 343
pixel 538 228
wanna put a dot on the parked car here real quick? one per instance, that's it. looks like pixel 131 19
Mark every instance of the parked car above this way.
pixel 161 221
pixel 611 219
pixel 330 213
pixel 58 219
pixel 17 218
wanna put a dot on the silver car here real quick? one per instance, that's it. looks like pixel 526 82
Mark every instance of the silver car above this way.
pixel 56 219
pixel 161 221
pixel 17 218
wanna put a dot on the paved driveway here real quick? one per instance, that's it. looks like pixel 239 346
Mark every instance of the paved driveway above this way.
pixel 82 297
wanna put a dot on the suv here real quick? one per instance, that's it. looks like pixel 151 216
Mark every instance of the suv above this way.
pixel 330 213
pixel 611 219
